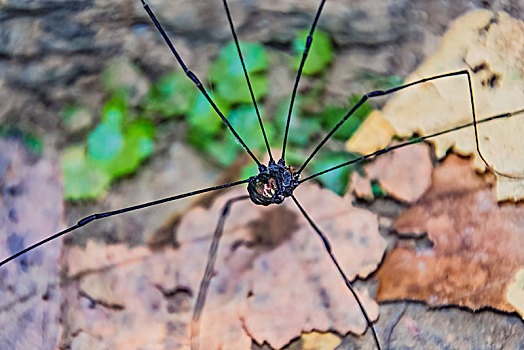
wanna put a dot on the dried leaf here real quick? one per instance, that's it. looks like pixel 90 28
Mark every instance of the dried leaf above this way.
pixel 477 244
pixel 92 258
pixel 132 304
pixel 29 285
pixel 273 278
pixel 492 47
pixel 515 293
pixel 374 134
pixel 319 341
pixel 404 173
pixel 360 186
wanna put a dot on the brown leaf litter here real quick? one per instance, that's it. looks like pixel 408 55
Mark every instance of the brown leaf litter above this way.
pixel 491 46
pixel 477 244
pixel 273 278
pixel 404 173
pixel 515 294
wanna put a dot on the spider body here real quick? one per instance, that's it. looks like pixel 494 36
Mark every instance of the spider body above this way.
pixel 272 184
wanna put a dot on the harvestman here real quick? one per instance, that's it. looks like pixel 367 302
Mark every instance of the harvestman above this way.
pixel 277 181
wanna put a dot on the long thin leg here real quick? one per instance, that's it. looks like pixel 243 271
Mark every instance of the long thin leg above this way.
pixel 232 26
pixel 209 271
pixel 327 245
pixel 309 41
pixel 390 91
pixel 410 142
pixel 197 82
pixel 93 217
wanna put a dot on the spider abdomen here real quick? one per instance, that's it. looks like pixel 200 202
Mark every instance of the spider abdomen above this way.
pixel 272 185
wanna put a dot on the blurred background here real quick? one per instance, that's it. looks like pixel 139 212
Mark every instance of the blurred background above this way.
pixel 92 85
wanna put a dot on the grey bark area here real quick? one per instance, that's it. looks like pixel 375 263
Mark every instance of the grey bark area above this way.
pixel 29 286
pixel 52 54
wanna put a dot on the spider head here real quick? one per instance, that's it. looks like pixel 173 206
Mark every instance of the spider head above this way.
pixel 272 185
